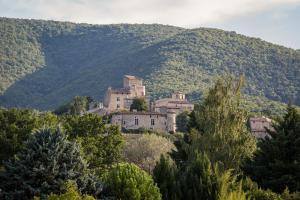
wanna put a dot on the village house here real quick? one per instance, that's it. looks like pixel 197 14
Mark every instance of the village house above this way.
pixel 161 118
pixel 177 103
pixel 259 126
pixel 155 121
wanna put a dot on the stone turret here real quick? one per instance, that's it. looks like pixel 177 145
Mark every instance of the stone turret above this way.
pixel 171 121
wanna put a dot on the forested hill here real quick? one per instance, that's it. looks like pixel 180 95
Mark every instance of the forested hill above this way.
pixel 45 63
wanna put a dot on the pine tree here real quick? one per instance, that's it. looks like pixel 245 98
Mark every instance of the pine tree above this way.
pixel 46 162
pixel 276 164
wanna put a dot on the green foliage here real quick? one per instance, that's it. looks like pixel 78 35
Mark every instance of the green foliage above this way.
pixel 85 125
pixel 16 127
pixel 128 182
pixel 102 151
pixel 196 179
pixel 220 126
pixel 71 193
pixel 77 106
pixel 286 195
pixel 165 174
pixel 276 162
pixel 46 63
pixel 145 150
pixel 229 188
pixel 199 180
pixel 101 145
pixel 45 163
pixel 139 104
pixel 182 122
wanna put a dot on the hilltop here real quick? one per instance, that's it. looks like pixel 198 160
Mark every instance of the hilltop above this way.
pixel 45 63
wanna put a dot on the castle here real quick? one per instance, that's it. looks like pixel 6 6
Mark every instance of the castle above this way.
pixel 162 114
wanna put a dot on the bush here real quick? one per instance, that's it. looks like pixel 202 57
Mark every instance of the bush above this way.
pixel 127 181
pixel 145 150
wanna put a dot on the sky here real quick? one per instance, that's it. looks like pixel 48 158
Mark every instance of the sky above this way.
pixel 276 21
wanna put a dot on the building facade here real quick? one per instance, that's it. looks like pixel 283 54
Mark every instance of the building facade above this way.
pixel 177 103
pixel 121 98
pixel 259 125
pixel 147 120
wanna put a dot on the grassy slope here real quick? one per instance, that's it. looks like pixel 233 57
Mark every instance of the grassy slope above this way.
pixel 46 63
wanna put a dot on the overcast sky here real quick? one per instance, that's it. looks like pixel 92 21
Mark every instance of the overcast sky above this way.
pixel 277 21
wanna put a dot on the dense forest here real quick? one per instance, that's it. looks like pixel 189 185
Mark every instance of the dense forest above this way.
pixel 43 64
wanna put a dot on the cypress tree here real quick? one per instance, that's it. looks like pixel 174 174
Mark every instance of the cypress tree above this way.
pixel 45 163
pixel 166 176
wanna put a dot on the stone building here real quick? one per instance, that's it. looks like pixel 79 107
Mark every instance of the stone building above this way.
pixel 177 103
pixel 160 122
pixel 121 98
pixel 259 126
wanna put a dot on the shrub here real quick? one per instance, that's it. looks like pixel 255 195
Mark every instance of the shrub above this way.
pixel 127 181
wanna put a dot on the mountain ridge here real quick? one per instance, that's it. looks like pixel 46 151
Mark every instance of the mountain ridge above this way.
pixel 64 59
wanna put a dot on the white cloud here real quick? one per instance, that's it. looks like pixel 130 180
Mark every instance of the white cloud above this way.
pixel 187 13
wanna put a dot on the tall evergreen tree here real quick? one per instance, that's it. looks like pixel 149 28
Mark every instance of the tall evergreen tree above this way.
pixel 276 164
pixel 166 176
pixel 45 163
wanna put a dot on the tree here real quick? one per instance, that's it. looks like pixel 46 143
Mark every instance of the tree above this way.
pixel 139 104
pixel 77 106
pixel 276 163
pixel 17 126
pixel 220 128
pixel 197 179
pixel 182 121
pixel 127 181
pixel 101 145
pixel 71 193
pixel 166 176
pixel 45 163
pixel 85 125
pixel 103 150
pixel 145 150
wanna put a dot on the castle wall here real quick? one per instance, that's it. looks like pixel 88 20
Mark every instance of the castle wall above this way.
pixel 135 120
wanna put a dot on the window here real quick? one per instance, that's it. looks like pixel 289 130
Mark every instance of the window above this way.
pixel 136 121
pixel 118 98
pixel 118 106
pixel 124 122
pixel 152 122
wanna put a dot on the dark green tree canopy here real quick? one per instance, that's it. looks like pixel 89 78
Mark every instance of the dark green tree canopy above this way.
pixel 139 104
pixel 17 126
pixel 45 163
pixel 127 181
pixel 276 164
pixel 182 122
pixel 219 127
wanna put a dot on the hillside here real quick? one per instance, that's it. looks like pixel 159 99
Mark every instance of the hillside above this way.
pixel 45 63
